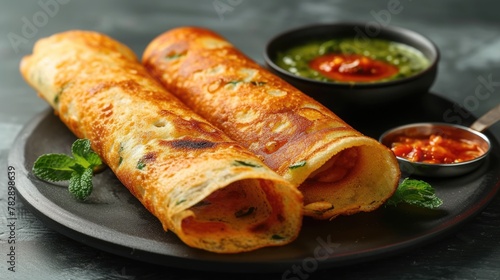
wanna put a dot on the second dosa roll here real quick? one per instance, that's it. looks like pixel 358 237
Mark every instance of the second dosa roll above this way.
pixel 339 170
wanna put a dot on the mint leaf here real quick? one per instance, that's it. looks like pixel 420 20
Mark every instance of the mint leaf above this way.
pixel 84 155
pixel 80 184
pixel 77 169
pixel 53 167
pixel 415 192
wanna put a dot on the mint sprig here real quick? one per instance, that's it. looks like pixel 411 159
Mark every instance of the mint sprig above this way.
pixel 415 192
pixel 78 169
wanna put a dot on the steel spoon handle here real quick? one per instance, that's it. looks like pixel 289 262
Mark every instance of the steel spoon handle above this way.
pixel 488 119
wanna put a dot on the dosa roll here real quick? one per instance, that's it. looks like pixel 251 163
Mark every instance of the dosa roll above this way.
pixel 210 191
pixel 338 170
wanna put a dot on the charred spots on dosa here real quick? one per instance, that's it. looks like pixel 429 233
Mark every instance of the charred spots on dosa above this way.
pixel 127 85
pixel 106 109
pixel 190 144
pixel 186 126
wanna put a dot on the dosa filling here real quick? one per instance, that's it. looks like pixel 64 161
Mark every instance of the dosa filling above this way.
pixel 336 168
pixel 246 205
pixel 336 187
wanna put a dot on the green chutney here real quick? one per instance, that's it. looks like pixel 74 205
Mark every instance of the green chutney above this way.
pixel 408 60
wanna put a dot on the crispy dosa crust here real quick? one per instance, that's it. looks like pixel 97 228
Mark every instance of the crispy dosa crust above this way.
pixel 213 193
pixel 293 134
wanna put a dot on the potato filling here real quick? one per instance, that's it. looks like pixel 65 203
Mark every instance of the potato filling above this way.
pixel 336 168
pixel 239 206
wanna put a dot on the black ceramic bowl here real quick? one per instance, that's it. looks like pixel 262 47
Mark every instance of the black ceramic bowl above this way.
pixel 346 95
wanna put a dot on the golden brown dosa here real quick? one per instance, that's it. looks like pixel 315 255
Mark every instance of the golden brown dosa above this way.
pixel 339 170
pixel 210 191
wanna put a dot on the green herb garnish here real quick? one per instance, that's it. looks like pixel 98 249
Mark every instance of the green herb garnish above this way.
pixel 243 163
pixel 174 55
pixel 301 163
pixel 120 159
pixel 180 201
pixel 140 165
pixel 277 237
pixel 233 82
pixel 415 192
pixel 77 169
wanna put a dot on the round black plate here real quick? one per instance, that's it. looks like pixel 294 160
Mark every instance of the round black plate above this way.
pixel 114 221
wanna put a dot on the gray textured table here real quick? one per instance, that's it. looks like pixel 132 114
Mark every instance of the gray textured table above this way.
pixel 467 32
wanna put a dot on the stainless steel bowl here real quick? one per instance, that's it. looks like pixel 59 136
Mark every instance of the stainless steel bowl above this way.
pixel 472 133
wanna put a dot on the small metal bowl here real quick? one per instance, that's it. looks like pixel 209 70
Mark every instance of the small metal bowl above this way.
pixel 472 133
pixel 448 130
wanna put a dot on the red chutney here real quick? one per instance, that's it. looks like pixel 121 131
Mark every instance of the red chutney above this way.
pixel 435 149
pixel 352 67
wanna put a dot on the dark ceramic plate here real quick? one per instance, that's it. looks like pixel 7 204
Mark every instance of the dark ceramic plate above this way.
pixel 114 221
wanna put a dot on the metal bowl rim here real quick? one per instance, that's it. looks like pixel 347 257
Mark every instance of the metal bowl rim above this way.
pixel 437 124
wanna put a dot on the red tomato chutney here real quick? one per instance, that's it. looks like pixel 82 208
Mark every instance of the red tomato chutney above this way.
pixel 435 149
pixel 352 68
